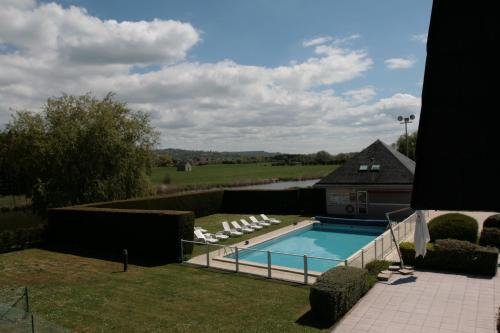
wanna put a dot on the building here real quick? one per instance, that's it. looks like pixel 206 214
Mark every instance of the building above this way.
pixel 184 166
pixel 373 182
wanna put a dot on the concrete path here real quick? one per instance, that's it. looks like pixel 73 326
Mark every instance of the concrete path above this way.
pixel 427 302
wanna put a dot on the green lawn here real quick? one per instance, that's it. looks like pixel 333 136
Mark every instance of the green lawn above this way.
pixel 230 174
pixel 90 295
pixel 212 223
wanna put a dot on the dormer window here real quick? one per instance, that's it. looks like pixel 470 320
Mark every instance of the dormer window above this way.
pixel 375 167
pixel 363 167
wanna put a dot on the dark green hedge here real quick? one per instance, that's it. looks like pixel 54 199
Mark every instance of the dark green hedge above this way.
pixel 454 256
pixel 492 222
pixel 155 234
pixel 454 226
pixel 290 201
pixel 18 239
pixel 490 237
pixel 201 203
pixel 336 291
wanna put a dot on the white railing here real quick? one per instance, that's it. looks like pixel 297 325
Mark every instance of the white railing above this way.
pixel 381 246
pixel 233 258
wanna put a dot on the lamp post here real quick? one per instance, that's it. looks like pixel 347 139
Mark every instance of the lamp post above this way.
pixel 406 120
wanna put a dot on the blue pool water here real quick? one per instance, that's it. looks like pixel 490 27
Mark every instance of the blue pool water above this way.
pixel 317 240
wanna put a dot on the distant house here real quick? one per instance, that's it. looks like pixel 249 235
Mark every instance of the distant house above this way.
pixel 184 166
pixel 373 182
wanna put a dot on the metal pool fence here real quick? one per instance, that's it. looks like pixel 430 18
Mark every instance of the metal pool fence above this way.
pixel 15 314
pixel 381 246
pixel 232 258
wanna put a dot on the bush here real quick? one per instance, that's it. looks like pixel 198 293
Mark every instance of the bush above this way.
pixel 18 239
pixel 376 266
pixel 492 222
pixel 453 226
pixel 490 237
pixel 336 291
pixel 453 255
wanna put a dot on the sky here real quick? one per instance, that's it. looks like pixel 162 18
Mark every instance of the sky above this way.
pixel 293 76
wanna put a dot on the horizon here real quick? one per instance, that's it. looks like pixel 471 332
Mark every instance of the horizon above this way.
pixel 287 76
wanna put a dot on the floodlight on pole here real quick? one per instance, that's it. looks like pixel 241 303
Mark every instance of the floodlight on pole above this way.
pixel 406 121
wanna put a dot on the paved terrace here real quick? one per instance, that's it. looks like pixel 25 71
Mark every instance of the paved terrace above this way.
pixel 428 302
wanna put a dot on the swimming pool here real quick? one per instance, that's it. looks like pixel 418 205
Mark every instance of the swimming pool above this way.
pixel 317 240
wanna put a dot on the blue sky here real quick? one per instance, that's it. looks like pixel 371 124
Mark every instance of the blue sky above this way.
pixel 364 65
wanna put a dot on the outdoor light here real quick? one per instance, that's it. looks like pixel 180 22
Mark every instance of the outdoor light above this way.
pixel 406 121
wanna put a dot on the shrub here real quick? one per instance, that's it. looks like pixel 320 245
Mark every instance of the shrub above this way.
pixel 17 239
pixel 490 237
pixel 453 255
pixel 376 266
pixel 336 291
pixel 492 222
pixel 454 226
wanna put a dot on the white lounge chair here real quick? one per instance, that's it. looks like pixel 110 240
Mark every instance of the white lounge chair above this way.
pixel 219 235
pixel 262 223
pixel 201 237
pixel 252 225
pixel 201 229
pixel 230 232
pixel 240 228
pixel 270 220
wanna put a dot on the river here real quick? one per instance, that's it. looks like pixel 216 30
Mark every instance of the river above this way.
pixel 280 185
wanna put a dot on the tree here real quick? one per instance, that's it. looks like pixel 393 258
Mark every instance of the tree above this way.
pixel 163 160
pixel 323 157
pixel 77 150
pixel 412 144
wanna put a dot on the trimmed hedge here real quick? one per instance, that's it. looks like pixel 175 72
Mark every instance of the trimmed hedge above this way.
pixel 336 291
pixel 454 226
pixel 492 222
pixel 155 234
pixel 454 256
pixel 201 203
pixel 261 201
pixel 289 201
pixel 490 237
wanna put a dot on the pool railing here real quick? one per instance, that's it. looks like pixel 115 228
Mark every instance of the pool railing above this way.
pixel 229 258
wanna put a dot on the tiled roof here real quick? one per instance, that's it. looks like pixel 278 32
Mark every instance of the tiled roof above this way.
pixel 395 168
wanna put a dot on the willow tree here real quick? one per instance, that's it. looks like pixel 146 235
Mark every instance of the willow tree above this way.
pixel 79 149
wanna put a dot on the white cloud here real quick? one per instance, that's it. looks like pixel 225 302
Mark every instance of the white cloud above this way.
pixel 317 41
pixel 75 36
pixel 222 105
pixel 422 38
pixel 400 63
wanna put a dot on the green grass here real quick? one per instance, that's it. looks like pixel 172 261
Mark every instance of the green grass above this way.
pixel 90 295
pixel 212 223
pixel 233 174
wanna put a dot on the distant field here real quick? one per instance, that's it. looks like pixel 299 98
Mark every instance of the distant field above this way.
pixel 233 174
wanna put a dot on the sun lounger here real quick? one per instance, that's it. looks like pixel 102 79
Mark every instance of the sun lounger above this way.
pixel 219 235
pixel 201 237
pixel 201 229
pixel 240 228
pixel 251 225
pixel 230 232
pixel 270 220
pixel 253 219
